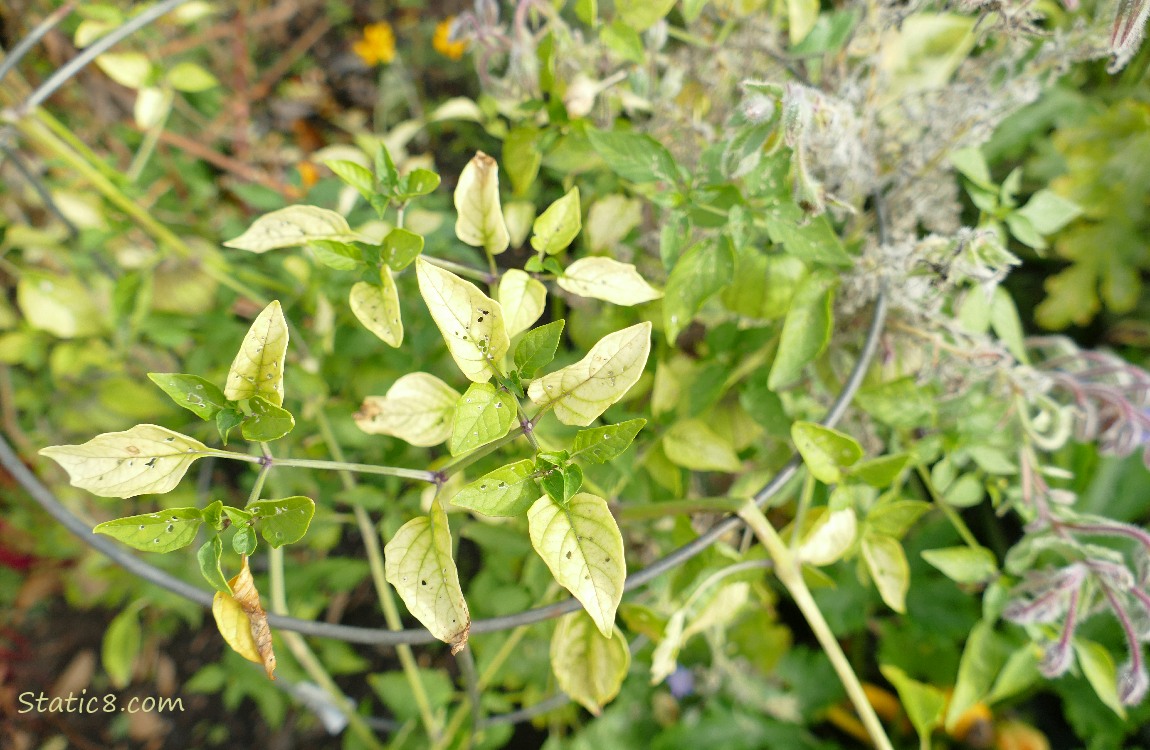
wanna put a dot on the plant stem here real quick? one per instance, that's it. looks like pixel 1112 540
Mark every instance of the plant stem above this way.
pixel 485 450
pixel 466 661
pixel 647 511
pixel 307 659
pixel 382 589
pixel 790 574
pixel 344 466
pixel 805 497
pixel 948 511
pixel 460 269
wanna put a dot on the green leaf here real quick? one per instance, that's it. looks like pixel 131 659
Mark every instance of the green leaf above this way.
pixel 811 239
pixel 293 226
pixel 418 563
pixel 582 546
pixel 419 408
pixel 902 403
pixel 121 646
pixel 763 285
pixel 579 393
pixel 623 41
pixel 193 393
pixel 1098 667
pixel 356 175
pixel 981 659
pixel 190 78
pixel 208 556
pixel 806 330
pixel 643 14
pixel 588 667
pixel 537 348
pixel 971 164
pixel 561 482
pixel 1018 674
pixel 227 420
pixel 342 256
pixel 1007 325
pixel 283 521
pixel 634 157
pixel 146 459
pixel 522 157
pixel 1048 212
pixel 162 531
pixel 417 183
pixel 963 564
pixel 602 444
pixel 394 689
pixel 522 299
pixel 508 491
pixel 556 227
pixel 377 308
pixel 213 515
pixel 924 703
pixel 386 175
pixel 267 421
pixel 882 471
pixel 607 279
pixel 483 414
pixel 692 444
pixel 480 222
pixel 401 247
pixel 826 452
pixel 472 324
pixel 698 274
pixel 258 368
pixel 244 541
pixel 895 517
pixel 886 562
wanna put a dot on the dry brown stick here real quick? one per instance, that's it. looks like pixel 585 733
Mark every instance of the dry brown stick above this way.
pixel 226 163
pixel 282 65
pixel 276 14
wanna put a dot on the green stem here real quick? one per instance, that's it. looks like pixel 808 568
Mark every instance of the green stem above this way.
pixel 805 497
pixel 379 579
pixel 481 452
pixel 466 661
pixel 948 511
pixel 344 466
pixel 648 511
pixel 460 269
pixel 258 486
pixel 790 574
pixel 307 659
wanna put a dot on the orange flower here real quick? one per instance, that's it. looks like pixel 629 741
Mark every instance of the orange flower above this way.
pixel 377 45
pixel 442 42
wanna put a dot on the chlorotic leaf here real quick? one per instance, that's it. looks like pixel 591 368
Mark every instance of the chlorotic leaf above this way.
pixel 267 421
pixel 146 459
pixel 162 531
pixel 419 409
pixel 556 227
pixel 982 658
pixel 963 564
pixel 924 704
pixel 242 621
pixel 888 567
pixel 806 329
pixel 121 646
pixel 208 556
pixel 826 452
pixel 258 368
pixel 508 491
pixel 292 226
pixel 602 444
pixel 607 279
pixel 193 393
pixel 480 222
pixel 587 666
pixel 537 348
pixel 1100 671
pixel 484 413
pixel 377 307
pixel 581 392
pixel 472 324
pixel 522 299
pixel 610 220
pixel 830 538
pixel 582 546
pixel 418 563
pixel 692 444
pixel 283 521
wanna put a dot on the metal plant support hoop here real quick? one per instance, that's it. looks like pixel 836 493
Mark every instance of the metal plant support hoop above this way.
pixel 378 636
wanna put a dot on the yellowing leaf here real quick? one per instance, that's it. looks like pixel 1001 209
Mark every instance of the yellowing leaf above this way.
pixel 480 222
pixel 146 459
pixel 581 392
pixel 558 225
pixel 258 369
pixel 418 409
pixel 152 106
pixel 292 226
pixel 377 307
pixel 507 491
pixel 607 279
pixel 718 606
pixel 483 414
pixel 692 444
pixel 522 299
pixel 588 667
pixel 582 546
pixel 61 305
pixel 242 621
pixel 610 220
pixel 830 538
pixel 129 69
pixel 472 323
pixel 418 563
pixel 887 564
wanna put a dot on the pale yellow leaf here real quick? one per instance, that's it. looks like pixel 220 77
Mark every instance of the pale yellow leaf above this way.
pixel 830 538
pixel 130 69
pixel 377 307
pixel 292 226
pixel 886 562
pixel 522 299
pixel 609 280
pixel 610 220
pixel 587 666
pixel 472 323
pixel 258 369
pixel 242 621
pixel 480 222
pixel 418 409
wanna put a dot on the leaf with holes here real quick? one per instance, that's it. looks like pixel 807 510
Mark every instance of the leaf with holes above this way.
pixel 579 393
pixel 826 452
pixel 558 225
pixel 483 414
pixel 582 546
pixel 258 369
pixel 480 222
pixel 419 408
pixel 587 666
pixel 522 299
pixel 193 393
pixel 163 531
pixel 472 324
pixel 267 421
pixel 377 307
pixel 283 521
pixel 602 444
pixel 146 459
pixel 609 280
pixel 418 563
pixel 292 226
pixel 508 491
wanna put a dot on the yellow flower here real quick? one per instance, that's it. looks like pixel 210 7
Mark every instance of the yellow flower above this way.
pixel 377 45
pixel 443 45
